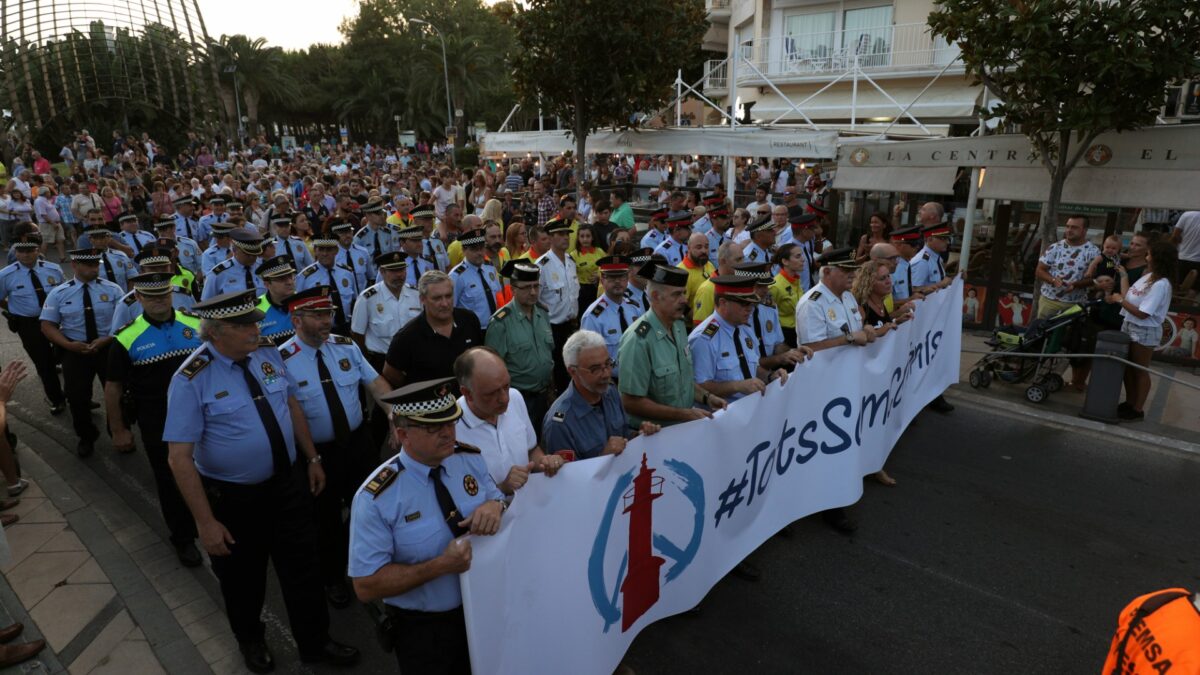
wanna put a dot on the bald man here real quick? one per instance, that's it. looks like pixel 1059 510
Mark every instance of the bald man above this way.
pixel 454 250
pixel 696 263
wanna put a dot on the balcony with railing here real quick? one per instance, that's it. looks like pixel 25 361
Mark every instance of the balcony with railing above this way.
pixel 815 57
pixel 718 10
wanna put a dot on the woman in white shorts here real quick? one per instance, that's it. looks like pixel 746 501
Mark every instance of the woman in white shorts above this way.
pixel 1144 306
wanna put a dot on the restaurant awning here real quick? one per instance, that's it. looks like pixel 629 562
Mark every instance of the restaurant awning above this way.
pixel 741 142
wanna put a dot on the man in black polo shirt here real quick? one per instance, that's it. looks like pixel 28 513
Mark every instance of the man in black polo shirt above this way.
pixel 426 347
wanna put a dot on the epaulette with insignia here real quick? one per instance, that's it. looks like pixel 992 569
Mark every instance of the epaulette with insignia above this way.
pixel 380 481
pixel 924 256
pixel 221 266
pixel 340 339
pixel 345 267
pixel 460 268
pixel 816 295
pixel 371 292
pixel 310 270
pixel 288 351
pixel 598 310
pixel 500 314
pixel 463 447
pixel 70 283
pixel 643 329
pixel 559 416
pixel 543 260
pixel 129 298
pixel 196 365
pixel 711 329
pixel 264 341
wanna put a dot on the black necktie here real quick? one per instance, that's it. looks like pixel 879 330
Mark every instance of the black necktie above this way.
pixel 339 314
pixel 378 249
pixel 89 315
pixel 621 316
pixel 249 280
pixel 645 301
pixel 37 287
pixel 941 268
pixel 487 290
pixel 446 502
pixel 108 270
pixel 341 426
pixel 279 453
pixel 137 246
pixel 741 354
pixel 350 264
pixel 762 344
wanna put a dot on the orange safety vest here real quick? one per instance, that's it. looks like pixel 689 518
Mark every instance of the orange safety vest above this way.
pixel 1157 633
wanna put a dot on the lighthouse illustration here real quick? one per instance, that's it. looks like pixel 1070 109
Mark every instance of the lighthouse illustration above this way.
pixel 640 589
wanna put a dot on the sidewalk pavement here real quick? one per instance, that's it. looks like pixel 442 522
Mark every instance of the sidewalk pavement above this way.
pixel 105 590
pixel 1172 410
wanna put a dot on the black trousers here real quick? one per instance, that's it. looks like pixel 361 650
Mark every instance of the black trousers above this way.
pixel 560 332
pixel 80 372
pixel 537 405
pixel 377 424
pixel 431 643
pixel 270 521
pixel 174 510
pixel 346 467
pixel 37 346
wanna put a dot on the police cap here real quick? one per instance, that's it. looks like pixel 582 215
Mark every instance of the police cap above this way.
pixel 428 402
pixel 236 307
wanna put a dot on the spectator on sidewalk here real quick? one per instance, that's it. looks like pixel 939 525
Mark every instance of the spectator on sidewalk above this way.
pixel 1062 269
pixel 1186 236
pixel 12 374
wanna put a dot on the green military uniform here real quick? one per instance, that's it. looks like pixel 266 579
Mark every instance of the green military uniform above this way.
pixel 657 364
pixel 527 346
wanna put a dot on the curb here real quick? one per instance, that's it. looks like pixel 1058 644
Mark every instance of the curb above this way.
pixel 1109 430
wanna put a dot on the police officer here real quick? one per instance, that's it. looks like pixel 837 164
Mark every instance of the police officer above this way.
pixel 559 293
pixel 352 256
pixel 152 259
pixel 279 277
pixel 236 273
pixel 384 308
pixel 719 232
pixel 377 237
pixel 773 350
pixel 828 316
pixel 907 241
pixel 407 525
pixel 327 371
pixel 432 248
pixel 522 335
pixel 587 418
pixel 656 375
pixel 804 235
pixel 130 234
pixel 24 285
pixel 115 266
pixel 612 313
pixel 289 246
pixel 196 229
pixel 325 271
pixel 762 241
pixel 675 247
pixel 182 276
pixel 411 244
pixel 725 353
pixel 219 250
pixel 187 250
pixel 929 275
pixel 476 281
pixel 635 291
pixel 141 360
pixel 76 318
pixel 654 234
pixel 233 426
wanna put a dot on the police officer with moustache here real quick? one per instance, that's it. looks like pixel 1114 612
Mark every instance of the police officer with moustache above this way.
pixel 828 316
pixel 76 318
pixel 523 337
pixel 656 364
pixel 559 293
pixel 279 277
pixel 476 281
pixel 675 247
pixel 187 250
pixel 773 351
pixel 288 246
pixel 24 286
pixel 376 237
pixel 141 360
pixel 407 524
pixel 635 292
pixel 612 313
pixel 328 273
pixel 353 257
pixel 762 241
pixel 152 259
pixel 725 355
pixel 234 429
pixel 327 371
pixel 236 273
pixel 411 244
pixel 219 250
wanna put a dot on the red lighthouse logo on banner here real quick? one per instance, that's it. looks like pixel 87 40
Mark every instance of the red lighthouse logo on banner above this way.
pixel 640 589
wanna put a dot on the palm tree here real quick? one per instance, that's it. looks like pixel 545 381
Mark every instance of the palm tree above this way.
pixel 258 71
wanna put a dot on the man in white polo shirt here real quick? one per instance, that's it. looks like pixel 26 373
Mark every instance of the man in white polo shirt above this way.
pixel 494 420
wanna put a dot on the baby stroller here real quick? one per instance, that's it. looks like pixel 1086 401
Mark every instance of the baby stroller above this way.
pixel 1044 337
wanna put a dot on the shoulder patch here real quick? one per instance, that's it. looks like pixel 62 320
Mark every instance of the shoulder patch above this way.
pixel 598 310
pixel 371 292
pixel 463 447
pixel 643 329
pixel 380 481
pixel 711 329
pixel 340 339
pixel 197 364
pixel 816 295
pixel 500 314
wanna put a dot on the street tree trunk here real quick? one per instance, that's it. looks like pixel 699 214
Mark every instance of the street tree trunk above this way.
pixel 580 145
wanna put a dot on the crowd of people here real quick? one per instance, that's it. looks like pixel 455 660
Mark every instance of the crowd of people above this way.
pixel 275 324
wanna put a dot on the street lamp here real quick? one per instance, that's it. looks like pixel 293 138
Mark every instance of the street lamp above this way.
pixel 237 101
pixel 445 68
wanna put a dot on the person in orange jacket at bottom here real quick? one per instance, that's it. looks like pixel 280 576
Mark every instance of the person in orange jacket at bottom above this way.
pixel 1157 633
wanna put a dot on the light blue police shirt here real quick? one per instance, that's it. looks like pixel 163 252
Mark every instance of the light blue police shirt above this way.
pixel 470 289
pixel 714 353
pixel 16 286
pixel 604 317
pixel 65 307
pixel 347 369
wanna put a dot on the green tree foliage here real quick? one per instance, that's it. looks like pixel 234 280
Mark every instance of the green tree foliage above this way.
pixel 258 72
pixel 1069 70
pixel 597 62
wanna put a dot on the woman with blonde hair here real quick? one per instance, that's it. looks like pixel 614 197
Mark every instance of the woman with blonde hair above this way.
pixel 493 210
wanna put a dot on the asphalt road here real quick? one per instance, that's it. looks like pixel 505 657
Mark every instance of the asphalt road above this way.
pixel 1009 545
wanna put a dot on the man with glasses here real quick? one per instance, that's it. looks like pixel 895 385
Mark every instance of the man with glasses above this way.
pixel 520 333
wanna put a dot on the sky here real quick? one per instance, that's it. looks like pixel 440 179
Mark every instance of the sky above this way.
pixel 284 23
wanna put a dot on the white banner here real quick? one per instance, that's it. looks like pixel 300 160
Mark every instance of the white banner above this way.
pixel 742 142
pixel 587 559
